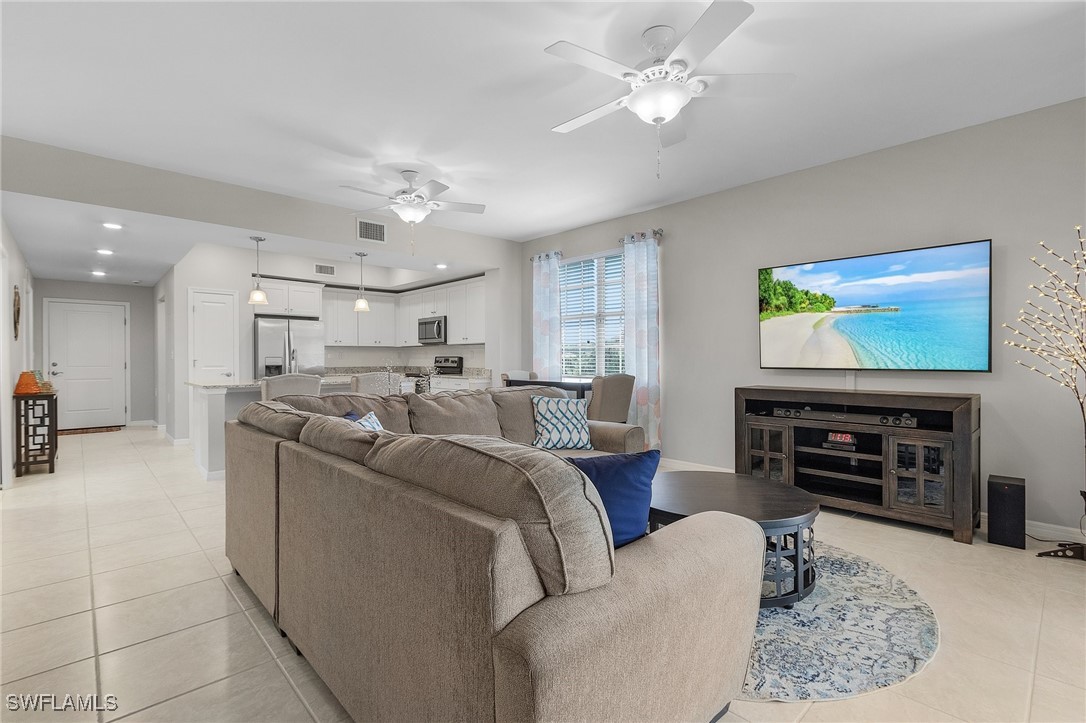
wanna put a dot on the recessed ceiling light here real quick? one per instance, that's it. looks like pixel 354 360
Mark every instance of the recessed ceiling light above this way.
pixel 105 252
pixel 441 266
pixel 113 226
pixel 98 273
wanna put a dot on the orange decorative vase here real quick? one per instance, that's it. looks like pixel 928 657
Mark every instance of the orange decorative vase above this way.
pixel 27 384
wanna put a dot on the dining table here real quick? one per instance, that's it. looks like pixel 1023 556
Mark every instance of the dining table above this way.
pixel 581 388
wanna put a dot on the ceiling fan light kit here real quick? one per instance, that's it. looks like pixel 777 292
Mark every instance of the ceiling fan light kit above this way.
pixel 412 205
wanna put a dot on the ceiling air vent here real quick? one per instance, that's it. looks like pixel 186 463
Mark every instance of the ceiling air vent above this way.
pixel 371 231
pixel 324 270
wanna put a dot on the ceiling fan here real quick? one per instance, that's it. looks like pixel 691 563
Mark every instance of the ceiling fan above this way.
pixel 413 205
pixel 661 86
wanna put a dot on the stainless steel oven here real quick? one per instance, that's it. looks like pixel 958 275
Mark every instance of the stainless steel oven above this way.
pixel 432 330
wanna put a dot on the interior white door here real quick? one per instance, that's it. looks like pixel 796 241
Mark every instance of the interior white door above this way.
pixel 215 339
pixel 85 360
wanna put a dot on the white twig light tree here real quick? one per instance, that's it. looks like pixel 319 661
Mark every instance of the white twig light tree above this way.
pixel 1052 326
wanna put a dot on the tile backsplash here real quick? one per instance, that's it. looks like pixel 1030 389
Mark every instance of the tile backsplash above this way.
pixel 420 356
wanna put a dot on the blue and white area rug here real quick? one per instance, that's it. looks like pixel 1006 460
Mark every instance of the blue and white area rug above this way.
pixel 861 629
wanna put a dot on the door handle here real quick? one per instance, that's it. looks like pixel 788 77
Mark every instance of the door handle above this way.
pixel 228 374
pixel 55 374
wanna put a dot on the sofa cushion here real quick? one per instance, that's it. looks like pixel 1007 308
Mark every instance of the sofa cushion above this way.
pixel 463 412
pixel 560 515
pixel 338 436
pixel 561 423
pixel 391 410
pixel 282 420
pixel 515 414
pixel 624 482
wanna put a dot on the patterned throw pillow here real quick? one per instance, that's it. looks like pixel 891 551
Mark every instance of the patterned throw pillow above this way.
pixel 561 423
pixel 369 421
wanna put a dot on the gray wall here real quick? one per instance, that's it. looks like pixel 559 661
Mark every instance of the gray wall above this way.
pixel 1017 180
pixel 141 332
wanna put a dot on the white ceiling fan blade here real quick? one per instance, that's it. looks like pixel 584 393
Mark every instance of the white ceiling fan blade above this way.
pixel 431 189
pixel 382 207
pixel 366 190
pixel 714 26
pixel 454 206
pixel 743 85
pixel 590 116
pixel 672 132
pixel 592 61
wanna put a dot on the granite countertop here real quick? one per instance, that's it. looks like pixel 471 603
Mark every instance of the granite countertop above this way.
pixel 330 380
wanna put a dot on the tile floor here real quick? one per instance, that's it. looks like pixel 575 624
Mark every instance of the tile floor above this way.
pixel 114 581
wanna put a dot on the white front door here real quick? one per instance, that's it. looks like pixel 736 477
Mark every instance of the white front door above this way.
pixel 85 359
pixel 215 340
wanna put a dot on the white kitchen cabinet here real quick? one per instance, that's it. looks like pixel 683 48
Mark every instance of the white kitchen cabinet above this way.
pixel 435 302
pixel 340 318
pixel 475 297
pixel 407 319
pixel 290 298
pixel 446 384
pixel 466 309
pixel 377 327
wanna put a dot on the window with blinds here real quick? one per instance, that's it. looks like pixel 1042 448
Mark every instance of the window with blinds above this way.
pixel 592 317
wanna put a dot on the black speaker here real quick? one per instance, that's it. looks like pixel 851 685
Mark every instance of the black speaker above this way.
pixel 1007 511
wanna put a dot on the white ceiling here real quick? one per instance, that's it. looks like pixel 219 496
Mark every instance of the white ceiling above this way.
pixel 297 98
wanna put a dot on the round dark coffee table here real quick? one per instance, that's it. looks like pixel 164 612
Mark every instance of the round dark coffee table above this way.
pixel 785 513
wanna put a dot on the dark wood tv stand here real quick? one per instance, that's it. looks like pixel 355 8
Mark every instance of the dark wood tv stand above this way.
pixel 905 455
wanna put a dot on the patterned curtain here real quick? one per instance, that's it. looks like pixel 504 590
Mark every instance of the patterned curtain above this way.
pixel 641 271
pixel 546 316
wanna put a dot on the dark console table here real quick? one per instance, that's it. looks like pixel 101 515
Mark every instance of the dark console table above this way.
pixel 785 514
pixel 902 455
pixel 35 431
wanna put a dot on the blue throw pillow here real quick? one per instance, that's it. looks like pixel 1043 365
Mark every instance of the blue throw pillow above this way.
pixel 624 482
pixel 369 421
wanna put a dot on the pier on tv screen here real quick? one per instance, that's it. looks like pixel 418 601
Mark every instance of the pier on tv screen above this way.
pixel 921 309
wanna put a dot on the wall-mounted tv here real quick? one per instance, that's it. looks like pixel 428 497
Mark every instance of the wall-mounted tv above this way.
pixel 920 309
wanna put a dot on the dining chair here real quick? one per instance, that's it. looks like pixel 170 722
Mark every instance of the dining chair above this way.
pixel 383 383
pixel 518 374
pixel 272 387
pixel 611 396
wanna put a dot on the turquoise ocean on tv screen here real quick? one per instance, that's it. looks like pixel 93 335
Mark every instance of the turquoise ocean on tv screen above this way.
pixel 930 334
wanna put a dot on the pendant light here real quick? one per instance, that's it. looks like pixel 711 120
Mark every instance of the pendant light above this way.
pixel 257 295
pixel 360 304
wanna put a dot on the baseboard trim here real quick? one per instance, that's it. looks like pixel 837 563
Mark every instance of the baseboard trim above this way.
pixel 142 423
pixel 1045 530
pixel 177 442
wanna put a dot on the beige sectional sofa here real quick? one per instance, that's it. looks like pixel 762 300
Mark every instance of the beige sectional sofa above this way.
pixel 470 577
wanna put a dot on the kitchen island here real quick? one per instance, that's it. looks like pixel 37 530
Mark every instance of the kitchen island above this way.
pixel 215 404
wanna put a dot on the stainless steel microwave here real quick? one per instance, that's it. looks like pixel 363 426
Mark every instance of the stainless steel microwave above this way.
pixel 432 330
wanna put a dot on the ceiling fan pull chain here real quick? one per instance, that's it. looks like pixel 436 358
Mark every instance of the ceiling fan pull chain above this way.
pixel 659 148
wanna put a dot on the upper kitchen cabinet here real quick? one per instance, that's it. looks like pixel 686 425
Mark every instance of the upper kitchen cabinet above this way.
pixel 435 302
pixel 340 318
pixel 466 312
pixel 290 298
pixel 377 327
pixel 408 312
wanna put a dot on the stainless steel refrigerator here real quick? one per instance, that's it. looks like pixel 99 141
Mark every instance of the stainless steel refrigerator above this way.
pixel 288 346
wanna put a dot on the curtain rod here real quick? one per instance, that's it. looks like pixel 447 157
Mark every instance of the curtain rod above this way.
pixel 657 233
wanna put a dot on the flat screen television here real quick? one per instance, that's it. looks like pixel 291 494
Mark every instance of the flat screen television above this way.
pixel 921 309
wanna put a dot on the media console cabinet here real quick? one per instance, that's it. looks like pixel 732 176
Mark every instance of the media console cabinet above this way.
pixel 902 455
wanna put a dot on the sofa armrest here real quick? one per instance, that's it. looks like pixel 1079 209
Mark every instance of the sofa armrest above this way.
pixel 616 437
pixel 669 638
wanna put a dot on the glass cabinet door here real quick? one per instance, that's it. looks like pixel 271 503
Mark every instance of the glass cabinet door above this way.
pixel 767 451
pixel 920 476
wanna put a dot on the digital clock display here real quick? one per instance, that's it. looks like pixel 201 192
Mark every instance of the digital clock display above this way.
pixel 842 437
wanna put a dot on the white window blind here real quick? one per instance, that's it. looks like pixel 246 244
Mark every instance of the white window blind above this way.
pixel 592 317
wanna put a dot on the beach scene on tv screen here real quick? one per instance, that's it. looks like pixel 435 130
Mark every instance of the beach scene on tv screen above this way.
pixel 917 309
